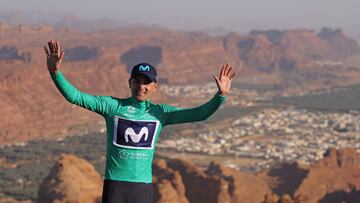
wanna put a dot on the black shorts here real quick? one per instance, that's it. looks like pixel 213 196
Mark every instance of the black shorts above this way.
pixel 127 192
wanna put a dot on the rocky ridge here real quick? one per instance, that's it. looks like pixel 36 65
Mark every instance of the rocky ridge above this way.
pixel 332 179
pixel 71 180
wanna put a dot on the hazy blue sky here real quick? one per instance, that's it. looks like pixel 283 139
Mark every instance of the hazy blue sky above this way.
pixel 230 14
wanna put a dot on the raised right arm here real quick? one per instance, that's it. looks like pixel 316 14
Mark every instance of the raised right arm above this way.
pixel 98 104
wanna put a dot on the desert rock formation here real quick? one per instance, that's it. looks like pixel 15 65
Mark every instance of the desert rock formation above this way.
pixel 332 179
pixel 72 179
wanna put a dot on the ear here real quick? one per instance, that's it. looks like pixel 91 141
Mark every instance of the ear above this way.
pixel 155 85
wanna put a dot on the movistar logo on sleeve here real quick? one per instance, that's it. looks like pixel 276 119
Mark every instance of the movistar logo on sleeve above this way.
pixel 144 68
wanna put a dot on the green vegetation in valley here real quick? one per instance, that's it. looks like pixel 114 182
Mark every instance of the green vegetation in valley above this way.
pixel 256 87
pixel 342 99
pixel 25 167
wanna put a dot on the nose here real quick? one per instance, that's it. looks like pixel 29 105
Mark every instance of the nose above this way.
pixel 143 86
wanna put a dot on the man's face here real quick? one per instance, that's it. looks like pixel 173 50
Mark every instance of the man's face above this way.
pixel 142 88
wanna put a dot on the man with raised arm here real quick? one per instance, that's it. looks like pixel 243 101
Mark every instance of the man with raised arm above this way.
pixel 133 125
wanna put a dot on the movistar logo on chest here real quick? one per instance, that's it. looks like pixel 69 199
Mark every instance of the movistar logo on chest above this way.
pixel 136 137
pixel 138 134
pixel 144 68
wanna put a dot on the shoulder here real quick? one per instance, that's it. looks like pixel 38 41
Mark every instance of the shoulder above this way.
pixel 113 100
pixel 164 107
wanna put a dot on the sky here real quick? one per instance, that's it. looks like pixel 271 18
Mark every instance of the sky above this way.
pixel 235 15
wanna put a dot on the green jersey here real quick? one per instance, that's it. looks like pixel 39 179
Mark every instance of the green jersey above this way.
pixel 133 128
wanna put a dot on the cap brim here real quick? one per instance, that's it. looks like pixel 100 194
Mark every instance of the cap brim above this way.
pixel 139 73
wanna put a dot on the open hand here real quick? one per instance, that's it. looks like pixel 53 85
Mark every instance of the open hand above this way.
pixel 223 82
pixel 54 56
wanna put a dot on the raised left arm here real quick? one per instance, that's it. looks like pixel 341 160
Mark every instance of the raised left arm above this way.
pixel 174 115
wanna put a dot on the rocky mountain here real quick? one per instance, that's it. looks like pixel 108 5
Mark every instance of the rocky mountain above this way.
pixel 71 180
pixel 332 179
pixel 291 49
pixel 99 62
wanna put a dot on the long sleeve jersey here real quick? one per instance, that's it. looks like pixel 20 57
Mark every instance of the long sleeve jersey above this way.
pixel 133 127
